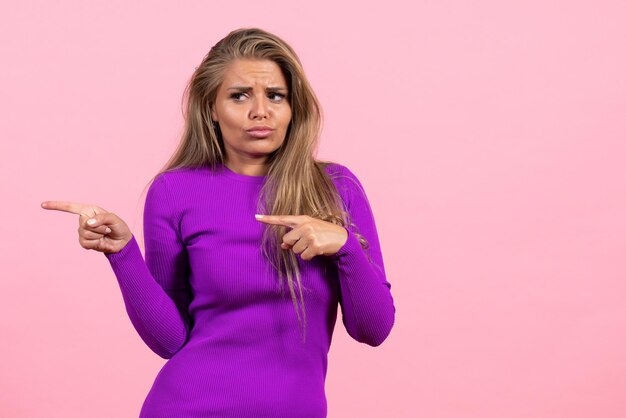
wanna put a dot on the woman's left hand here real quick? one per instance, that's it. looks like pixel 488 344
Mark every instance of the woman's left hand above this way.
pixel 309 236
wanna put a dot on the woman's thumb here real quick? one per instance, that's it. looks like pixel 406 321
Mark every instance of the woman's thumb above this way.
pixel 108 223
pixel 99 219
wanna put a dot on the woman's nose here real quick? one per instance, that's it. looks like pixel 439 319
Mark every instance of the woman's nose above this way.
pixel 259 109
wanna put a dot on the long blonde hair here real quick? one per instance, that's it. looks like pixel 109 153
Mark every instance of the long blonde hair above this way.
pixel 296 183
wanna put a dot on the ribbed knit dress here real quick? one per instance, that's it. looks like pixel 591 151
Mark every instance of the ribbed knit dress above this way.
pixel 206 299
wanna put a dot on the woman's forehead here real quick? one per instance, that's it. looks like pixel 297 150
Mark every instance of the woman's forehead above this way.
pixel 254 72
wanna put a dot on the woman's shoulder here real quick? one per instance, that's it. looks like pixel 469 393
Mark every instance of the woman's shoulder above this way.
pixel 336 170
pixel 176 182
pixel 347 183
pixel 184 174
pixel 340 173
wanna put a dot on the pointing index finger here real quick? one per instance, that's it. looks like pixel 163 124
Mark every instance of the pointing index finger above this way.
pixel 64 206
pixel 286 220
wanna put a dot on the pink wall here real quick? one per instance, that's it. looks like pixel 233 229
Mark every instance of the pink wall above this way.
pixel 489 135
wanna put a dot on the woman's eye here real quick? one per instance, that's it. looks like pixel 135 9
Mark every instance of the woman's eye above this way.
pixel 238 96
pixel 276 97
pixel 273 96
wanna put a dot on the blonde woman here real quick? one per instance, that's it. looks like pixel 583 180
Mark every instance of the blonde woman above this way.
pixel 250 246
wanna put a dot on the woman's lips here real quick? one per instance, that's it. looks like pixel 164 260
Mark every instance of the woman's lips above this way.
pixel 261 132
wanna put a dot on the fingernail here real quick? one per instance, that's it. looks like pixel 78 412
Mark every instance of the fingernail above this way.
pixel 91 221
pixel 258 216
pixel 106 231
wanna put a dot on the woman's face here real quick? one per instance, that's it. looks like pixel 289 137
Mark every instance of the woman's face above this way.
pixel 252 109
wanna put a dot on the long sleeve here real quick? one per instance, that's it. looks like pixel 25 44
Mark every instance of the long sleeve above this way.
pixel 368 310
pixel 156 292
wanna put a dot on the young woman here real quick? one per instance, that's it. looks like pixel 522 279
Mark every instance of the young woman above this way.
pixel 211 294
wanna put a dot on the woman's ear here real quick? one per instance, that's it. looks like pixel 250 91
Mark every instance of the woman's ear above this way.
pixel 213 113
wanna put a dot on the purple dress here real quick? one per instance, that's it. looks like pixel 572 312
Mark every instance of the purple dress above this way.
pixel 207 300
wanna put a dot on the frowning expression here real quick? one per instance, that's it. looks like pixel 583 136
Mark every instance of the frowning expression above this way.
pixel 252 109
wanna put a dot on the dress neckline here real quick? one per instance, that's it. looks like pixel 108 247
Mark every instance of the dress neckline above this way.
pixel 242 177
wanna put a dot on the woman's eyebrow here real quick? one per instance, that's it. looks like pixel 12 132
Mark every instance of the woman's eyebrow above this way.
pixel 248 88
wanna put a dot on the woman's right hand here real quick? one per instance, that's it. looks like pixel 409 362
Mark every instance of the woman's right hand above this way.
pixel 108 234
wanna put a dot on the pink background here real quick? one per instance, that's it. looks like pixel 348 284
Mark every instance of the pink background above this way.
pixel 489 135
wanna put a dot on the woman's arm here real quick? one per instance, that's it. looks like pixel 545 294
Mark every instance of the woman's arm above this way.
pixel 156 292
pixel 367 306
